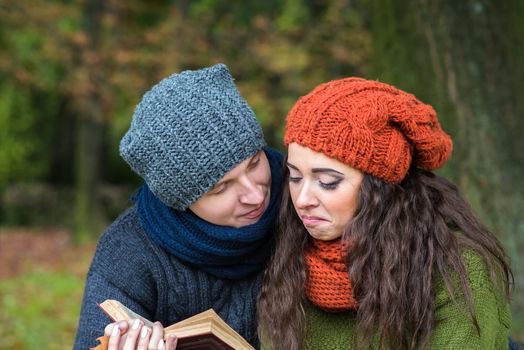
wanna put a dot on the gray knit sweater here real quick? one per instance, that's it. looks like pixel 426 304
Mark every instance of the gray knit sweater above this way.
pixel 129 267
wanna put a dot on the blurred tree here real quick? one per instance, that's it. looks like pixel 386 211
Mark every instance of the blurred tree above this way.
pixel 28 95
pixel 88 90
pixel 65 73
pixel 466 59
pixel 17 149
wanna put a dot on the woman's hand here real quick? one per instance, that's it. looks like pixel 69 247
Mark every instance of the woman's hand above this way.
pixel 135 336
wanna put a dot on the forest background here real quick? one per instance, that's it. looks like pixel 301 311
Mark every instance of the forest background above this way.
pixel 72 72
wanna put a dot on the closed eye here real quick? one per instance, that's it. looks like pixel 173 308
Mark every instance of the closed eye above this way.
pixel 330 185
pixel 221 188
pixel 294 179
pixel 254 162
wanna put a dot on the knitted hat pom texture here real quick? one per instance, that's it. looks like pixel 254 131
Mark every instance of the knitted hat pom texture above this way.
pixel 370 126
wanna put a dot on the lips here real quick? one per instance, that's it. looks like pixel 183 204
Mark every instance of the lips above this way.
pixel 310 220
pixel 255 213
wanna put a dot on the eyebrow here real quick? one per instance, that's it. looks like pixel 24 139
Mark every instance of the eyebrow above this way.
pixel 318 170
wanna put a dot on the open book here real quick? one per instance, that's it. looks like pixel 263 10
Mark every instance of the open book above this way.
pixel 206 330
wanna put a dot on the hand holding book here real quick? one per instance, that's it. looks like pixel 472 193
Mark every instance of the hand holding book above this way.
pixel 202 331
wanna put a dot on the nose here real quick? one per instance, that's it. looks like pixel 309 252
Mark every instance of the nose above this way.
pixel 252 193
pixel 305 197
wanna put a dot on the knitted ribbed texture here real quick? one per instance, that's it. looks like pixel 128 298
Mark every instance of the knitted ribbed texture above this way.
pixel 187 132
pixel 369 125
pixel 453 329
pixel 328 285
pixel 129 267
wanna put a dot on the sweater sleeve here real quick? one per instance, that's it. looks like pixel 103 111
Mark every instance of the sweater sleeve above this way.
pixel 454 328
pixel 121 269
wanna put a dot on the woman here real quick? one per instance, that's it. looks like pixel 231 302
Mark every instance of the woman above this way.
pixel 374 250
pixel 199 232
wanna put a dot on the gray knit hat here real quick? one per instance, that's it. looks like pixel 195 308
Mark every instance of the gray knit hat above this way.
pixel 188 131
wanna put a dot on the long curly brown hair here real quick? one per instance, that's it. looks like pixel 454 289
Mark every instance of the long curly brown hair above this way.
pixel 402 237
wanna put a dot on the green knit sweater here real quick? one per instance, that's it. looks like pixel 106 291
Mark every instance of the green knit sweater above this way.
pixel 454 329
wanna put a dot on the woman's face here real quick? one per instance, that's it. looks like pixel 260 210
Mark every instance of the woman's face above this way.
pixel 240 197
pixel 324 191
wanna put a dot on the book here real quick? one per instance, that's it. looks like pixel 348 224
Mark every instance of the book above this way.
pixel 206 330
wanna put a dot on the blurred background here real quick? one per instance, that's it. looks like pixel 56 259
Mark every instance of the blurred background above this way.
pixel 72 72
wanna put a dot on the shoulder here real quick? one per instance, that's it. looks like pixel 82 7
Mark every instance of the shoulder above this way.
pixel 480 275
pixel 485 282
pixel 489 305
pixel 125 244
pixel 126 238
pixel 126 226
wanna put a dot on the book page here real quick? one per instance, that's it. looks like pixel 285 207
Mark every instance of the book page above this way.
pixel 118 312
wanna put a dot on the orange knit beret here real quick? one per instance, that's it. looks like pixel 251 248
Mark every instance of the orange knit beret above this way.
pixel 370 126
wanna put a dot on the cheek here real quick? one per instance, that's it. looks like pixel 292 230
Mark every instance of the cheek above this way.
pixel 216 210
pixel 224 206
pixel 342 206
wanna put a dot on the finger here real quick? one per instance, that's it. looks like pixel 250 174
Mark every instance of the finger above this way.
pixel 156 336
pixel 143 341
pixel 171 342
pixel 109 329
pixel 114 338
pixel 132 335
pixel 122 325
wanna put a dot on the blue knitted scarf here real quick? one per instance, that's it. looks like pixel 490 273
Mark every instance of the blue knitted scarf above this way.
pixel 222 251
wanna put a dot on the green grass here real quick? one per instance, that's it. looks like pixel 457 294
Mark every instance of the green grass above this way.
pixel 39 310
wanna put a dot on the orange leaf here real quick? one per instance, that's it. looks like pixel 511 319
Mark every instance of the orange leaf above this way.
pixel 104 342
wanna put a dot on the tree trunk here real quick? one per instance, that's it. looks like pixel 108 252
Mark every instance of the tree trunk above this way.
pixel 87 168
pixel 466 59
pixel 90 129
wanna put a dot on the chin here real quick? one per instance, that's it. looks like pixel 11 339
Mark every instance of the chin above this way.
pixel 317 235
pixel 324 236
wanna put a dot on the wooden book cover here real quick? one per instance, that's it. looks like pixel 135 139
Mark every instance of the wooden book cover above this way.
pixel 206 330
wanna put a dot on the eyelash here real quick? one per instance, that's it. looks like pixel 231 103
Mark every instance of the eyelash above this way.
pixel 222 189
pixel 329 186
pixel 294 179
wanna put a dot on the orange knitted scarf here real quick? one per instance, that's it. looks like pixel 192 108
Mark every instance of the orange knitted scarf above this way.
pixel 328 285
